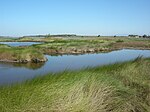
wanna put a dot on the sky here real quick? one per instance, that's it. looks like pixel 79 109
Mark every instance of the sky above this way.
pixel 81 17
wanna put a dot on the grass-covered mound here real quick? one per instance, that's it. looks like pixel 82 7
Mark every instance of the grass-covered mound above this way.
pixel 121 87
pixel 20 55
pixel 89 44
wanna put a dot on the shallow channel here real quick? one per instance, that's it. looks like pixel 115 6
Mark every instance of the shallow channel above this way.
pixel 14 73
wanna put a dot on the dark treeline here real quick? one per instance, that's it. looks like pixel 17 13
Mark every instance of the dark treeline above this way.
pixel 144 36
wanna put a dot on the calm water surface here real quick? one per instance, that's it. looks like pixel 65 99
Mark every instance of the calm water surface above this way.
pixel 14 73
pixel 15 44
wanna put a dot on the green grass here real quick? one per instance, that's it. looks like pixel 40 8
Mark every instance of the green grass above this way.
pixel 7 39
pixel 122 87
pixel 2 46
pixel 19 54
pixel 84 45
pixel 80 45
pixel 69 46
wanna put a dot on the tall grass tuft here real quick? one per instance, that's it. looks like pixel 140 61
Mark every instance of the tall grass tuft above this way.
pixel 122 87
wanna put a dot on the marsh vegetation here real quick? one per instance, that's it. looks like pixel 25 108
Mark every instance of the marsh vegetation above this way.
pixel 78 45
pixel 121 87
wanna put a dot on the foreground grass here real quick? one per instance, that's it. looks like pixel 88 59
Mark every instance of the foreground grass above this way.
pixel 122 87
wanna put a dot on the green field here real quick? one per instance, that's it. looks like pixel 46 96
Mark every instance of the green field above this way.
pixel 121 87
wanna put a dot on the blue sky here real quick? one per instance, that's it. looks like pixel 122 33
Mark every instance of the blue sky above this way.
pixel 83 17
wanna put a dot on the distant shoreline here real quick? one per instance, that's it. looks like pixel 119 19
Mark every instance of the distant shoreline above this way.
pixel 61 46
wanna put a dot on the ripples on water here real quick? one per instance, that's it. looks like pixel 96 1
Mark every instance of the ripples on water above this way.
pixel 12 73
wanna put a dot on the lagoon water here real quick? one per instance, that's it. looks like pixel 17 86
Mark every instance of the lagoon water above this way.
pixel 15 44
pixel 14 73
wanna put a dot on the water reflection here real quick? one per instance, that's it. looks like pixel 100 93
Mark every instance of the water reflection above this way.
pixel 12 73
pixel 32 66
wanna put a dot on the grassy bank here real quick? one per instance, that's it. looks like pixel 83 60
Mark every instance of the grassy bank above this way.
pixel 60 46
pixel 122 87
pixel 85 44
pixel 89 45
pixel 7 39
pixel 18 54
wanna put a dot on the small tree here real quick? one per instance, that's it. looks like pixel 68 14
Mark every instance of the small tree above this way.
pixel 98 35
pixel 144 36
pixel 48 35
